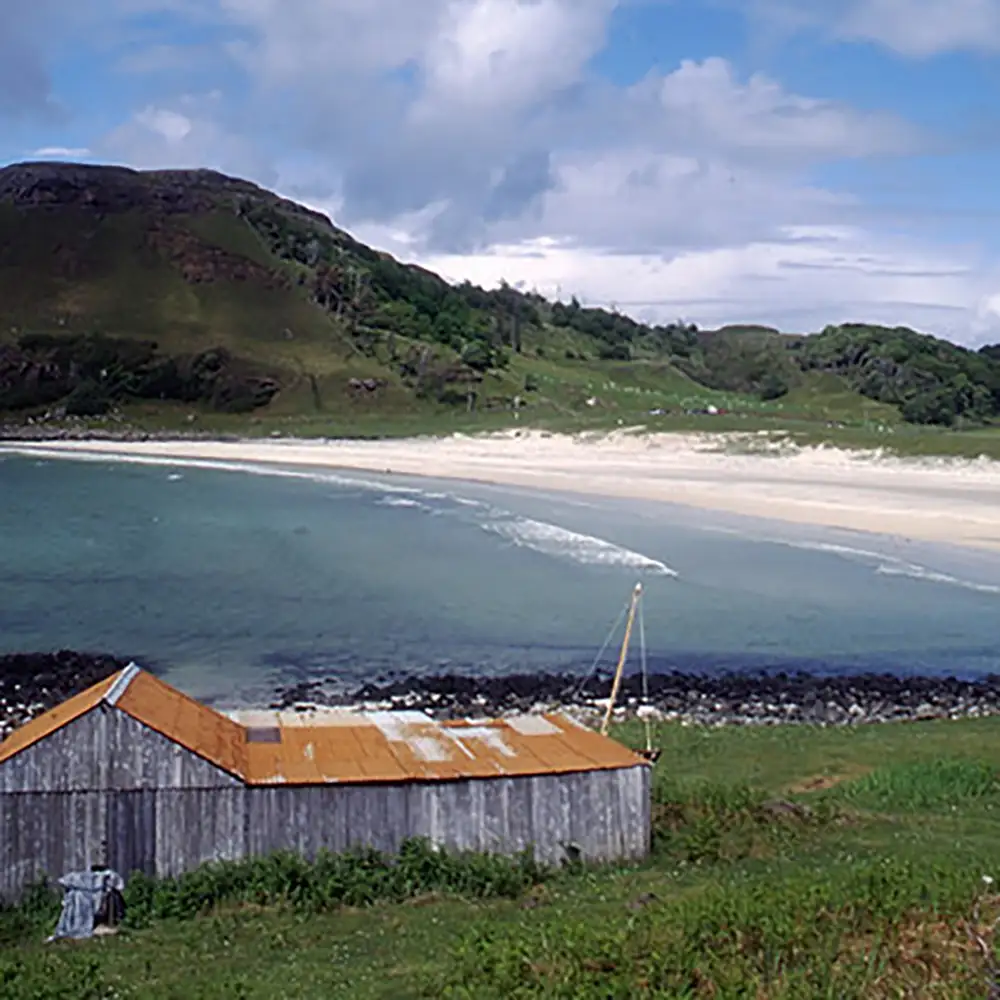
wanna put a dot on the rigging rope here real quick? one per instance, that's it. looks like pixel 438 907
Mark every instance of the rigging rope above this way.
pixel 645 678
pixel 602 650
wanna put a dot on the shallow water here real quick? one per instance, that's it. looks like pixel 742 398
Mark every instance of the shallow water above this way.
pixel 233 579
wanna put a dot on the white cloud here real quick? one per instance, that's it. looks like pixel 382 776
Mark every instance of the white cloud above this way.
pixel 925 27
pixel 503 56
pixel 914 28
pixel 833 276
pixel 184 136
pixel 61 152
pixel 689 244
pixel 326 40
pixel 171 126
pixel 706 103
pixel 634 199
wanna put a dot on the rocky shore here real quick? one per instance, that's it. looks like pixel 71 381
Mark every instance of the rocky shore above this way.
pixel 695 699
pixel 31 683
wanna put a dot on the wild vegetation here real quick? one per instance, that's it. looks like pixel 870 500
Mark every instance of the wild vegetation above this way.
pixel 788 862
pixel 176 295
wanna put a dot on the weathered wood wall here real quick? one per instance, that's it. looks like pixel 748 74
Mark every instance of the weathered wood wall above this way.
pixel 99 791
pixel 605 814
pixel 107 749
pixel 106 789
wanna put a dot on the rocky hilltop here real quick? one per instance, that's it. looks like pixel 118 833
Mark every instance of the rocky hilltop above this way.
pixel 122 189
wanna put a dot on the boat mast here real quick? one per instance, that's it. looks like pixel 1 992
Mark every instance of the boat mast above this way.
pixel 622 656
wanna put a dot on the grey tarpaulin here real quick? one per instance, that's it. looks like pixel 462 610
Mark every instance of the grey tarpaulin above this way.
pixel 85 893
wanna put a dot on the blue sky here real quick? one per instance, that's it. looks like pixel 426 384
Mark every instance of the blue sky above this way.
pixel 792 162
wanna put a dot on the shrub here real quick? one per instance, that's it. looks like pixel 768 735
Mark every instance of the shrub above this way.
pixel 357 878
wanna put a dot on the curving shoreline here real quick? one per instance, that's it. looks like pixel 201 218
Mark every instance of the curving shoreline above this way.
pixel 934 500
pixel 31 683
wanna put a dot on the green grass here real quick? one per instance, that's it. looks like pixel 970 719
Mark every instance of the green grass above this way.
pixel 654 397
pixel 627 400
pixel 788 863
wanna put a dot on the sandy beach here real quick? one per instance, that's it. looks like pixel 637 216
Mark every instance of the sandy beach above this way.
pixel 936 500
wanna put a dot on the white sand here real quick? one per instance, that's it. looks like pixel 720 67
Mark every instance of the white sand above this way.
pixel 938 500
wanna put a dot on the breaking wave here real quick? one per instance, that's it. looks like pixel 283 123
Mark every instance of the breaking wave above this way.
pixel 915 572
pixel 552 540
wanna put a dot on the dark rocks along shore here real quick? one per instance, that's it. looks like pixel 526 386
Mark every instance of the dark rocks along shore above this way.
pixel 700 699
pixel 31 683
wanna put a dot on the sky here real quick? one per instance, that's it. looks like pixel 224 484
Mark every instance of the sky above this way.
pixel 788 162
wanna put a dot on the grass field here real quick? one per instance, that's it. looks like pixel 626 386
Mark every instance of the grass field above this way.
pixel 635 394
pixel 788 863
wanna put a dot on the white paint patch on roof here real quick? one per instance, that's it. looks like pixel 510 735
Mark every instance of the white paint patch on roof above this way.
pixel 532 725
pixel 393 725
pixel 254 718
pixel 491 737
pixel 429 749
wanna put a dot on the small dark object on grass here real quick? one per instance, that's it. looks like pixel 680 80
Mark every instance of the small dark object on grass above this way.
pixel 782 807
pixel 643 900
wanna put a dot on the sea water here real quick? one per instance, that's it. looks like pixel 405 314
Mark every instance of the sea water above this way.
pixel 232 579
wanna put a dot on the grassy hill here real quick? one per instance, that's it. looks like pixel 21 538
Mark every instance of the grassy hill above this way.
pixel 182 297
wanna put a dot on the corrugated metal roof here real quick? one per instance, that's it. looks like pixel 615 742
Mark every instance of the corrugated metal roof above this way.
pixel 341 746
pixel 410 746
pixel 198 728
pixel 44 725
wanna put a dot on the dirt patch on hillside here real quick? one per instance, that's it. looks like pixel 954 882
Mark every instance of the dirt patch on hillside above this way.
pixel 202 263
pixel 824 782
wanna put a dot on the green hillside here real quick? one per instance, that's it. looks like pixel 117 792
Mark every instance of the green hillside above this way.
pixel 188 295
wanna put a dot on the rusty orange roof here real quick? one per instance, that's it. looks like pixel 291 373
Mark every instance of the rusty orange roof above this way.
pixel 410 746
pixel 195 726
pixel 271 748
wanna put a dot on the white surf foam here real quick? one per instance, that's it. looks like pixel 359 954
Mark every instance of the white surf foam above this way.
pixel 401 502
pixel 888 565
pixel 915 572
pixel 553 540
pixel 883 563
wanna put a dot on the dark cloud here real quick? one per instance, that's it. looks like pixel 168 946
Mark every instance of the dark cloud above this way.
pixel 522 182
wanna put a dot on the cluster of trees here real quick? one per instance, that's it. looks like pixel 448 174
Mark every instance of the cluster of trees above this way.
pixel 749 360
pixel 374 293
pixel 87 374
pixel 932 381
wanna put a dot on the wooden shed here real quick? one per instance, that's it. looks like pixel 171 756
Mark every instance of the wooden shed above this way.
pixel 136 775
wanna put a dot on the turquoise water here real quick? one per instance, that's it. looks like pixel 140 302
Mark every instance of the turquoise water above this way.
pixel 230 580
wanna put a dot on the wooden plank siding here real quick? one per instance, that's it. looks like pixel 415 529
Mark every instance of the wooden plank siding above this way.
pixel 108 749
pixel 105 788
